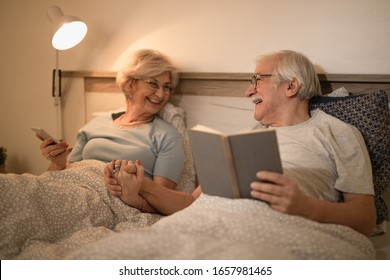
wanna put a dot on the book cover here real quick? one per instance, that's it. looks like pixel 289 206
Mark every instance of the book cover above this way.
pixel 227 164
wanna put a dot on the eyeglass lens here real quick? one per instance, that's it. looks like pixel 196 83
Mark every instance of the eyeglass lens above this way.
pixel 154 85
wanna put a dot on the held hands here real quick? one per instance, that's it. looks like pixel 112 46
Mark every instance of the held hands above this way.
pixel 112 184
pixel 124 179
pixel 281 192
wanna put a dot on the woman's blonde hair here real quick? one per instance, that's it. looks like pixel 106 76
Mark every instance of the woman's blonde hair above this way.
pixel 144 64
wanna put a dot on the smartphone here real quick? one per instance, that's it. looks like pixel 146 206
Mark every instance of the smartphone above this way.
pixel 43 134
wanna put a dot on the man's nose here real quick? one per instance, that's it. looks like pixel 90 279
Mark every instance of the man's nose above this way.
pixel 250 91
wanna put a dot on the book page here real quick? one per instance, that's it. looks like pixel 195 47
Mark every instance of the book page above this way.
pixel 200 127
pixel 213 169
pixel 253 152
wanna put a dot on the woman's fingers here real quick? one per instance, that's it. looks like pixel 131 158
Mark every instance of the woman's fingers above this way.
pixel 50 151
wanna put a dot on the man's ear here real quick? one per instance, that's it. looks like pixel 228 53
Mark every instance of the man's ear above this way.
pixel 293 87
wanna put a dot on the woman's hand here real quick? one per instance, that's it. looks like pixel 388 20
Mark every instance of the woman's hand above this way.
pixel 281 193
pixel 56 153
pixel 125 179
pixel 111 182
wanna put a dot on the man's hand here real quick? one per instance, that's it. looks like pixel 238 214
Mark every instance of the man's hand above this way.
pixel 281 192
pixel 124 180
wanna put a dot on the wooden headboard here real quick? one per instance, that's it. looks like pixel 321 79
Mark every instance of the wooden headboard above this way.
pixel 213 99
pixel 233 84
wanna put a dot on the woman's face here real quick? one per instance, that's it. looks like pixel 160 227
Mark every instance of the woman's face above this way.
pixel 149 96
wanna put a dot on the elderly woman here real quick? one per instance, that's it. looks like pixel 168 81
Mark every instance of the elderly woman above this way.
pixel 147 80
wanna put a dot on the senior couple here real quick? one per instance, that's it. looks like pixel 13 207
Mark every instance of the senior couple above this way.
pixel 327 171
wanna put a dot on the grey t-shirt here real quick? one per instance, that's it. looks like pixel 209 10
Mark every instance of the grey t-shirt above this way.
pixel 157 144
pixel 325 156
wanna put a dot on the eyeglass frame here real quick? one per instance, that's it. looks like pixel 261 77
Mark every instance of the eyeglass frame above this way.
pixel 155 86
pixel 256 77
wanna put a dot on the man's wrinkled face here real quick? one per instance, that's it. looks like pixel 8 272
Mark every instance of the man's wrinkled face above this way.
pixel 263 93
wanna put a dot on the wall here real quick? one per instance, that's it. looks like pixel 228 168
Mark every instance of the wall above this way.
pixel 340 36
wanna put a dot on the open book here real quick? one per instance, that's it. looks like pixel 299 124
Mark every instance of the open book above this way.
pixel 226 165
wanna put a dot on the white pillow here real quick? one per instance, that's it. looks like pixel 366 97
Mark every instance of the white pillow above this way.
pixel 340 92
pixel 175 116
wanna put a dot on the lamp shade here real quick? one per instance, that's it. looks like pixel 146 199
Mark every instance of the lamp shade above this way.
pixel 68 30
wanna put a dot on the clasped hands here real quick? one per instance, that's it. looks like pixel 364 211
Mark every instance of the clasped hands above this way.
pixel 124 179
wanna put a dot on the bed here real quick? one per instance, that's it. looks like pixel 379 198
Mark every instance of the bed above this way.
pixel 71 216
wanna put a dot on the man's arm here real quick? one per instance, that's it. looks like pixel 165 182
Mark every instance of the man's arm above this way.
pixel 357 211
pixel 131 186
pixel 283 194
pixel 167 201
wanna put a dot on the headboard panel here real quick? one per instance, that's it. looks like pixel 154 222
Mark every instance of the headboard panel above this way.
pixel 355 83
pixel 213 99
pixel 234 84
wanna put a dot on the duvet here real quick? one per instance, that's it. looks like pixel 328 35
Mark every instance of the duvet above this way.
pixel 69 215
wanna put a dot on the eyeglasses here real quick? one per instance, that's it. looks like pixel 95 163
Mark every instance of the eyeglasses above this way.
pixel 258 77
pixel 155 86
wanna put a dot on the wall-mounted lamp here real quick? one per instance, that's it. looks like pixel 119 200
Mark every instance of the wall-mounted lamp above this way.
pixel 68 32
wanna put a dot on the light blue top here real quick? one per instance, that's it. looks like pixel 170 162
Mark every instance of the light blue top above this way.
pixel 157 144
